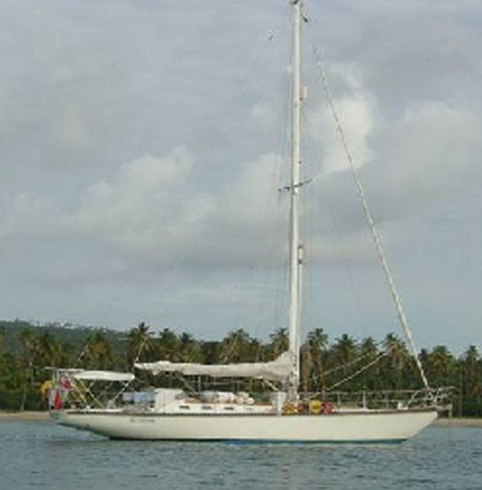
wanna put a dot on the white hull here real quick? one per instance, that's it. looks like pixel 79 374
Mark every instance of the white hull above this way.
pixel 368 426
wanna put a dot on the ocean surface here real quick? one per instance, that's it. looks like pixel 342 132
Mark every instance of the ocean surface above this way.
pixel 39 454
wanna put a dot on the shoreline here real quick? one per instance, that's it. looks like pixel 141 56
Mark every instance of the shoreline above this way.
pixel 24 415
pixel 457 422
pixel 441 422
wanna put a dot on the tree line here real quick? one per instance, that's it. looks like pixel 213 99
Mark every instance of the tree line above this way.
pixel 346 363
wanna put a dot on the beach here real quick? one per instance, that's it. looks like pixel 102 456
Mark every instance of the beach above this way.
pixel 457 422
pixel 24 415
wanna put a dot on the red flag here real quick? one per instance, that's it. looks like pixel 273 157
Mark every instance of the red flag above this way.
pixel 57 400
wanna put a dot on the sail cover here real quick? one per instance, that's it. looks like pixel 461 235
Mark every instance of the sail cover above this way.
pixel 103 376
pixel 277 370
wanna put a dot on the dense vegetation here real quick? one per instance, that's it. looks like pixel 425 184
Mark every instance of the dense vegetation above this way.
pixel 345 363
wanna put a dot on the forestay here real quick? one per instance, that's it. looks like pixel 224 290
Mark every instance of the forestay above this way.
pixel 278 370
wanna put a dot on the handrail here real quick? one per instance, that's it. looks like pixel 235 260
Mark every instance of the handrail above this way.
pixel 434 397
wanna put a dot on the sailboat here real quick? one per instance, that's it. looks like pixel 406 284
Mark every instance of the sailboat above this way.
pixel 174 414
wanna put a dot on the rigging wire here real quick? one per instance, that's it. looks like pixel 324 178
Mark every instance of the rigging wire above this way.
pixel 143 344
pixel 368 215
pixel 362 369
pixel 82 354
pixel 355 361
pixel 271 208
pixel 275 226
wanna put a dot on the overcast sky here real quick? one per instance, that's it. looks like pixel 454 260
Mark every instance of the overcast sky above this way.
pixel 142 144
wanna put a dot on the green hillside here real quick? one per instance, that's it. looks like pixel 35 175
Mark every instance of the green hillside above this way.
pixel 346 363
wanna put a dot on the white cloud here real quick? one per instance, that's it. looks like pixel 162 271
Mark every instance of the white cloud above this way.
pixel 32 216
pixel 179 224
pixel 262 114
pixel 152 208
pixel 355 110
pixel 142 207
pixel 72 129
pixel 429 154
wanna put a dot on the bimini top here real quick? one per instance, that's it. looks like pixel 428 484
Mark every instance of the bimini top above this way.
pixel 102 376
pixel 278 370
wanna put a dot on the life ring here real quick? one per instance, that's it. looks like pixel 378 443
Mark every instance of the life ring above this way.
pixel 301 408
pixel 45 388
pixel 289 408
pixel 327 407
pixel 315 407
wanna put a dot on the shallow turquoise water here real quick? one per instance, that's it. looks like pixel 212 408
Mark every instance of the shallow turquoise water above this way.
pixel 43 455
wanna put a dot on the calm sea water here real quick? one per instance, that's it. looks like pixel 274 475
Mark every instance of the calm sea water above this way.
pixel 43 455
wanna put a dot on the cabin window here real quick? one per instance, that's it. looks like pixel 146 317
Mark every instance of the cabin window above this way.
pixel 229 408
pixel 206 407
pixel 185 407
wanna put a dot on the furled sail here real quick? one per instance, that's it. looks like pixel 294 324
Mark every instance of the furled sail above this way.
pixel 278 370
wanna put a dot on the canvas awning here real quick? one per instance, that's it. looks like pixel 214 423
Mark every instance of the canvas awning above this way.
pixel 103 376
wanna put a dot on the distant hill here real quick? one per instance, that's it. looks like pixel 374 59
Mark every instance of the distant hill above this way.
pixel 74 335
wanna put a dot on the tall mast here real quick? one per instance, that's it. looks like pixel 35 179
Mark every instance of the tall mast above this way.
pixel 296 248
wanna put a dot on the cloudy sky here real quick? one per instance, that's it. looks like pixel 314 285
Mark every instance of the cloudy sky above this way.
pixel 142 144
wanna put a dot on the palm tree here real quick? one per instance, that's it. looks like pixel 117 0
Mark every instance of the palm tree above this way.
pixel 306 365
pixel 369 353
pixel 396 363
pixel 317 344
pixel 238 346
pixel 50 350
pixel 138 343
pixel 442 365
pixel 2 339
pixel 98 352
pixel 344 350
pixel 29 345
pixel 190 348
pixel 168 346
pixel 210 351
pixel 279 342
pixel 471 391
